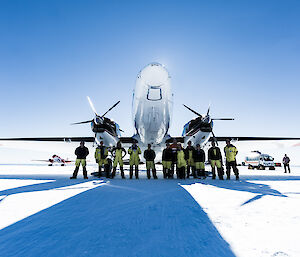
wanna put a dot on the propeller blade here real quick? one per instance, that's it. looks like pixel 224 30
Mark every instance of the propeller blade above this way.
pixel 82 122
pixel 193 111
pixel 111 108
pixel 223 119
pixel 208 109
pixel 215 138
pixel 92 105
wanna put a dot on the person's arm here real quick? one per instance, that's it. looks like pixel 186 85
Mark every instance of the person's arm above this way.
pixel 163 157
pixel 154 155
pixel 220 156
pixel 145 154
pixel 139 150
pixel 209 154
pixel 236 151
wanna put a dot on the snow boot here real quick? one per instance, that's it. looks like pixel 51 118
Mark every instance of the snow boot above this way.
pixel 130 172
pixel 122 172
pixel 85 173
pixel 148 174
pixel 136 172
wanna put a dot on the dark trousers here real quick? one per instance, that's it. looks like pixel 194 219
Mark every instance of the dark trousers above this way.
pixel 153 174
pixel 201 173
pixel 220 172
pixel 232 165
pixel 181 173
pixel 286 166
pixel 113 174
pixel 171 171
pixel 136 169
pixel 76 172
pixel 188 171
pixel 165 172
pixel 99 171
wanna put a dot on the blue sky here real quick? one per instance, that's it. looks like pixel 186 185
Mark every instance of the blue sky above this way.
pixel 242 56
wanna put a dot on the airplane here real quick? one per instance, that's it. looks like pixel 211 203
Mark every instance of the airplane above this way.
pixel 55 159
pixel 151 111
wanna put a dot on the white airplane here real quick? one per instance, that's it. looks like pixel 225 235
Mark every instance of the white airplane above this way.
pixel 151 111
pixel 55 159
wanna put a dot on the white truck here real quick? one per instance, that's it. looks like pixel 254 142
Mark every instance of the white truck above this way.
pixel 260 161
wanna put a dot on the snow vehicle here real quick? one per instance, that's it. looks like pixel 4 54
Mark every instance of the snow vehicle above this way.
pixel 260 161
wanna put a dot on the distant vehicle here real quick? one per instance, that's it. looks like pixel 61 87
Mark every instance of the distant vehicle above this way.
pixel 260 161
pixel 55 159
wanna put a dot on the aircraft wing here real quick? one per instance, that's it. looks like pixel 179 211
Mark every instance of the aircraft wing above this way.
pixel 51 139
pixel 128 140
pixel 219 139
pixel 254 138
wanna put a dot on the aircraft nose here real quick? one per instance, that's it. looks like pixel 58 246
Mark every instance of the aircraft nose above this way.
pixel 155 75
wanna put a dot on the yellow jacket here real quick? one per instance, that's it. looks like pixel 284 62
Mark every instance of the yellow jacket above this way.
pixel 180 159
pixel 134 158
pixel 98 153
pixel 230 153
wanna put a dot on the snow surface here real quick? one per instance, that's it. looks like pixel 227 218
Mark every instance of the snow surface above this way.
pixel 44 213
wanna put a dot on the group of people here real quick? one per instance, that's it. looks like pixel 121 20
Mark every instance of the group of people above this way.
pixel 191 161
pixel 186 162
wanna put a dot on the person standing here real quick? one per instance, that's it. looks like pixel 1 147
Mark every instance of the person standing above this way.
pixel 134 160
pixel 167 156
pixel 286 163
pixel 215 159
pixel 81 153
pixel 119 153
pixel 174 148
pixel 190 161
pixel 149 156
pixel 230 153
pixel 199 159
pixel 181 162
pixel 101 154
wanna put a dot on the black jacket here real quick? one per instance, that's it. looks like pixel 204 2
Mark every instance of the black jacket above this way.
pixel 199 155
pixel 81 152
pixel 167 154
pixel 212 155
pixel 187 150
pixel 149 155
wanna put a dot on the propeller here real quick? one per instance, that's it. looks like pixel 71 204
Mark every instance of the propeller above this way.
pixel 82 122
pixel 111 108
pixel 208 109
pixel 222 118
pixel 193 111
pixel 214 137
pixel 92 105
pixel 97 118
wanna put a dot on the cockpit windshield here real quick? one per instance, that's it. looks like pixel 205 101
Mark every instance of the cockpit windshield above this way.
pixel 185 129
pixel 268 158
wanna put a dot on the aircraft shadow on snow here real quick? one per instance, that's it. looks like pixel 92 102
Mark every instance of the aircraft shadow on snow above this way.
pixel 123 218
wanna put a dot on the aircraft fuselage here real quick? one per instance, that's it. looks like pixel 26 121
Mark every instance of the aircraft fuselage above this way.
pixel 152 104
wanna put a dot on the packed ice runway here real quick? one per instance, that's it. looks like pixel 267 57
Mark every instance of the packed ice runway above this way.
pixel 44 213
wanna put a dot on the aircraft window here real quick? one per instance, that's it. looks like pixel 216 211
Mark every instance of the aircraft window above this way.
pixel 154 94
pixel 185 128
